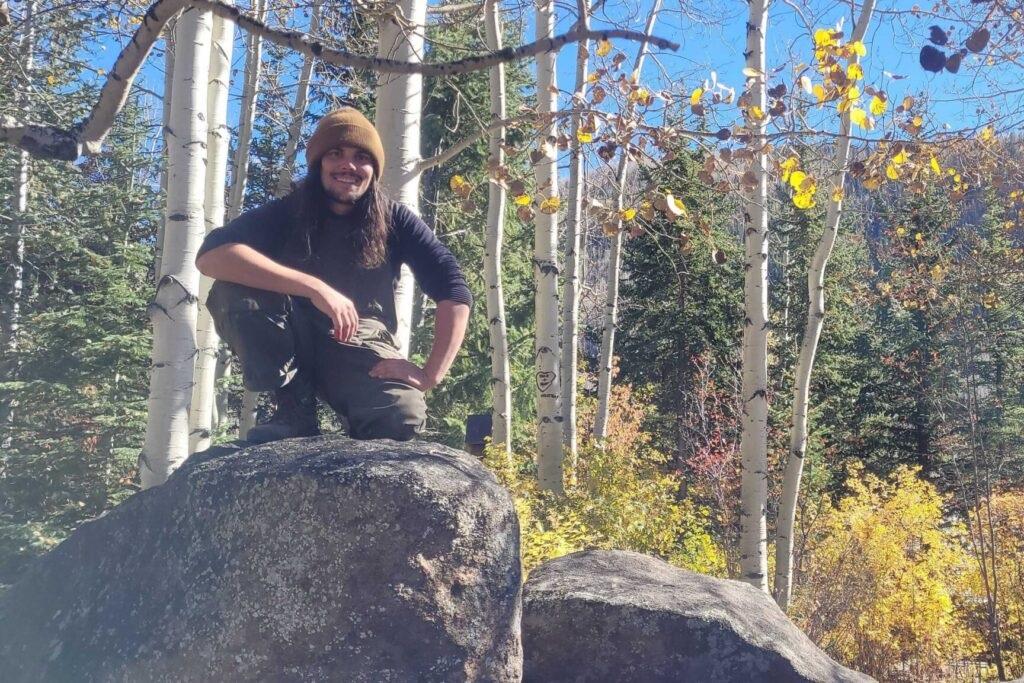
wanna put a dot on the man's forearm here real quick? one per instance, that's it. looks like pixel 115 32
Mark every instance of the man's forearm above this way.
pixel 449 330
pixel 241 264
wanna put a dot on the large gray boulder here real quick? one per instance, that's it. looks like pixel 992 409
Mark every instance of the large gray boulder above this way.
pixel 622 616
pixel 305 560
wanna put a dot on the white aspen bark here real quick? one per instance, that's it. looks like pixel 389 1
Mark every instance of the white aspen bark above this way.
pixel 573 264
pixel 19 208
pixel 545 266
pixel 501 386
pixel 87 137
pixel 246 116
pixel 611 308
pixel 398 114
pixel 284 179
pixel 11 309
pixel 236 195
pixel 754 433
pixel 786 522
pixel 217 145
pixel 173 310
pixel 166 119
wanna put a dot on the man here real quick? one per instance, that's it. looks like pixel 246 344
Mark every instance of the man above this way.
pixel 305 293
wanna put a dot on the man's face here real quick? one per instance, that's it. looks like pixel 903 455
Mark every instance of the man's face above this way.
pixel 345 173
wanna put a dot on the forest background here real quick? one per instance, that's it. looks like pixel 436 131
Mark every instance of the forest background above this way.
pixel 909 539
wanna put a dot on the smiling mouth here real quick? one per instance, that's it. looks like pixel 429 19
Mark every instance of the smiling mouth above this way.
pixel 347 179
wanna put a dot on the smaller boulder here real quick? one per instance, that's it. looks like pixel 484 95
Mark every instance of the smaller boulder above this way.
pixel 613 615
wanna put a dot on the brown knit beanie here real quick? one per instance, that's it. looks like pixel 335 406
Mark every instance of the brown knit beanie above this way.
pixel 345 126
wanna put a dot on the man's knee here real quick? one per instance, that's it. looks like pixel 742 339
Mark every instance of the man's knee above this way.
pixel 401 421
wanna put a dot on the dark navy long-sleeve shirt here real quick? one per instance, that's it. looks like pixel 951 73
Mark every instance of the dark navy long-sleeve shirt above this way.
pixel 268 228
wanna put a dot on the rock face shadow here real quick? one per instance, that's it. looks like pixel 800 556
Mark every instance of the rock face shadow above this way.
pixel 306 559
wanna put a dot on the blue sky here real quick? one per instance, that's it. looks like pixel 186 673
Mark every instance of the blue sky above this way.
pixel 712 37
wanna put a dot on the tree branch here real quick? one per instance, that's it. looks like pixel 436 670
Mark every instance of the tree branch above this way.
pixel 87 136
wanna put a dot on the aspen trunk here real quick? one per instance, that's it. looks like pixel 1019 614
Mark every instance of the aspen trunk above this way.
pixel 398 116
pixel 236 195
pixel 611 307
pixel 808 348
pixel 166 119
pixel 573 228
pixel 284 179
pixel 217 144
pixel 173 310
pixel 754 435
pixel 19 215
pixel 501 388
pixel 545 264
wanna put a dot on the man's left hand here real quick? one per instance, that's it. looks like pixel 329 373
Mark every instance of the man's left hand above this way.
pixel 401 370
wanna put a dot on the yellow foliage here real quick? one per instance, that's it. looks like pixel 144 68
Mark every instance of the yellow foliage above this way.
pixel 549 205
pixel 878 105
pixel 880 573
pixel 618 497
pixel 604 48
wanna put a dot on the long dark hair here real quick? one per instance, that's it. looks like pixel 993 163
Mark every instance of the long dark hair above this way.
pixel 371 215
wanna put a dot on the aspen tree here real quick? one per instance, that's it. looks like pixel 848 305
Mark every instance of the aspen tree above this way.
pixel 236 195
pixel 173 310
pixel 545 264
pixel 501 388
pixel 809 344
pixel 754 382
pixel 218 138
pixel 284 179
pixel 611 309
pixel 165 130
pixel 397 118
pixel 19 213
pixel 573 230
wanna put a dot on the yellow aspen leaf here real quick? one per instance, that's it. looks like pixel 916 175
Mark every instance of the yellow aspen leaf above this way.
pixel 787 167
pixel 550 205
pixel 918 237
pixel 853 93
pixel 592 77
pixel 986 133
pixel 523 200
pixel 627 214
pixel 819 92
pixel 884 287
pixel 695 96
pixel 901 231
pixel 917 122
pixel 855 72
pixel 878 105
pixel 936 272
pixel 823 38
pixel 859 117
pixel 803 200
pixel 837 196
pixel 756 113
pixel 457 182
pixel 858 48
pixel 604 48
pixel 51 80
pixel 584 136
pixel 900 158
pixel 872 183
pixel 891 172
pixel 641 95
pixel 796 178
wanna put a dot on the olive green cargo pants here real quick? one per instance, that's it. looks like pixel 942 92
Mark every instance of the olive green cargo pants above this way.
pixel 276 336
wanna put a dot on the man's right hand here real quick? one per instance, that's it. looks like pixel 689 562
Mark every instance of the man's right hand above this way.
pixel 339 308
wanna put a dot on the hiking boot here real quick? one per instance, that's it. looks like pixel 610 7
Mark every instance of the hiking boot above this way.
pixel 295 415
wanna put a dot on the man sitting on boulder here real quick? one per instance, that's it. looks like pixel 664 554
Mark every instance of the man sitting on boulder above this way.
pixel 305 293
